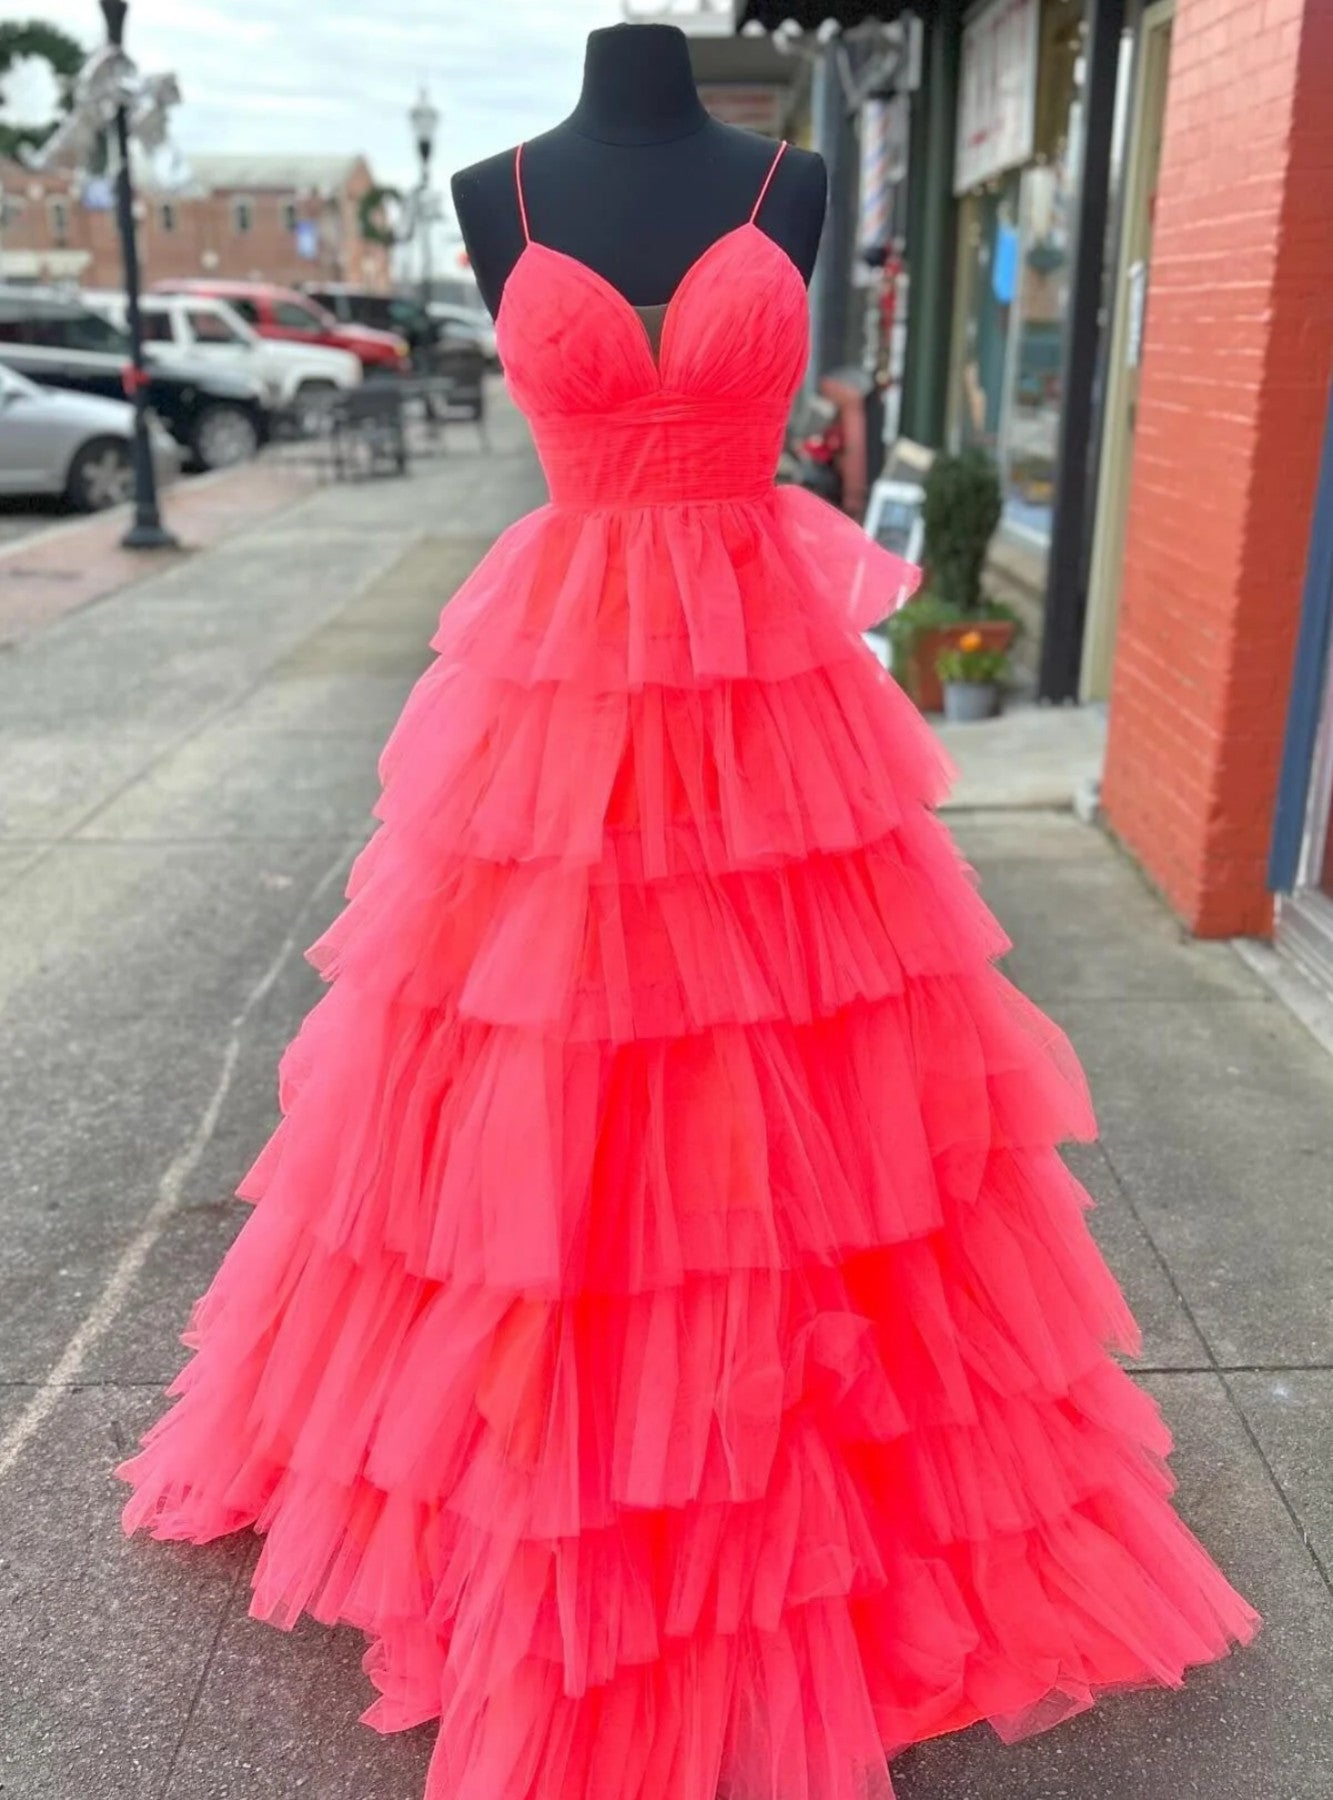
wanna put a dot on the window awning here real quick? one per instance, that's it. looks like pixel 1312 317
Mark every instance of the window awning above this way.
pixel 811 14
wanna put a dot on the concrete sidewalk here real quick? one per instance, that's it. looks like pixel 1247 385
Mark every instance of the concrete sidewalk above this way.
pixel 70 563
pixel 185 770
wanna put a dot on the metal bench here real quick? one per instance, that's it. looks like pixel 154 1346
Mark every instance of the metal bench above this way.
pixel 368 431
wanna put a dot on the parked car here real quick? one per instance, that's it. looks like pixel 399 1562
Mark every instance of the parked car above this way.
pixel 60 341
pixel 283 314
pixel 441 348
pixel 469 322
pixel 75 445
pixel 457 290
pixel 352 305
pixel 302 380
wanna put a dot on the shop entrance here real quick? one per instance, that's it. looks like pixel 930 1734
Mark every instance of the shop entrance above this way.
pixel 1143 163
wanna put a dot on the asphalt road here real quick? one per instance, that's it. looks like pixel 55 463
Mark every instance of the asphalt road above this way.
pixel 22 518
pixel 185 770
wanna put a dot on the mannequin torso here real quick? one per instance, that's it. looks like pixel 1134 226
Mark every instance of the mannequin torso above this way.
pixel 638 181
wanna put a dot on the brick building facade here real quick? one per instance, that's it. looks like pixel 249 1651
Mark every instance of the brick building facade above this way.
pixel 1232 400
pixel 286 219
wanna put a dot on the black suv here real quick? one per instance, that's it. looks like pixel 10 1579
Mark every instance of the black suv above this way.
pixel 58 340
pixel 439 347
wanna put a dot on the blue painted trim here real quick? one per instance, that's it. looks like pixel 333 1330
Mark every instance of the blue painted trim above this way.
pixel 1308 682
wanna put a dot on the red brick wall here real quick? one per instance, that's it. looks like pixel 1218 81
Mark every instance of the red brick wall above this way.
pixel 1234 383
pixel 204 240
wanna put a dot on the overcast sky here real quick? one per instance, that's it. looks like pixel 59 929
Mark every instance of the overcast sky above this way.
pixel 329 75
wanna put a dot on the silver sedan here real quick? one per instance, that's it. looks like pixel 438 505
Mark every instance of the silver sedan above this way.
pixel 75 445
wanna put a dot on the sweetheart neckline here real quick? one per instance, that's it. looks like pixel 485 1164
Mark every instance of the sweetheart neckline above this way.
pixel 656 362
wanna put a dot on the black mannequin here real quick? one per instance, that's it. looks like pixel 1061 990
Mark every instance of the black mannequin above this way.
pixel 638 180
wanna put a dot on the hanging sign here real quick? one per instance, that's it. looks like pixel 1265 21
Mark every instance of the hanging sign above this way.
pixel 997 91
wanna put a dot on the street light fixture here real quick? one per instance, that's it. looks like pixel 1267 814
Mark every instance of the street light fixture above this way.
pixel 110 94
pixel 424 119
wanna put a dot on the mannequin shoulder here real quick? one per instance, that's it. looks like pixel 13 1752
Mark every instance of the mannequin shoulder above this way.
pixel 793 208
pixel 485 197
pixel 805 172
pixel 481 184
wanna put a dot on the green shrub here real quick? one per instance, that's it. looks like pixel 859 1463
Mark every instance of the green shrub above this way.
pixel 961 512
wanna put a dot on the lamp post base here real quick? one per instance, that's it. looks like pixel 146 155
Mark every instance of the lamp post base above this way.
pixel 144 535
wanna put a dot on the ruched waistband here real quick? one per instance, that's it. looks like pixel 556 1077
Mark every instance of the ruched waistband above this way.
pixel 672 451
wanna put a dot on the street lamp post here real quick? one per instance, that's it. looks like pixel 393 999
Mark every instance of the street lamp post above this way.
pixel 424 119
pixel 147 532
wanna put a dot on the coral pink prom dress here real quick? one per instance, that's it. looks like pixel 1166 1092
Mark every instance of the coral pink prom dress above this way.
pixel 666 1327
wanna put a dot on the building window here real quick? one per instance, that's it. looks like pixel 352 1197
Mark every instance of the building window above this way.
pixel 166 216
pixel 59 214
pixel 242 216
pixel 1012 290
pixel 289 215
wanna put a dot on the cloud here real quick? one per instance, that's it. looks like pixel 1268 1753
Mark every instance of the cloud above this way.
pixel 289 75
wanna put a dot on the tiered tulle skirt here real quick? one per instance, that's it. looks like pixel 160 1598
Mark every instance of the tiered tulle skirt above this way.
pixel 666 1327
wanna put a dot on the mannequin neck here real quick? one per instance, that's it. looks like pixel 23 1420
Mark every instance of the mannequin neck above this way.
pixel 638 86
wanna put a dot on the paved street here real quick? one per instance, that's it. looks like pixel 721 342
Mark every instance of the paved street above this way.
pixel 23 518
pixel 186 768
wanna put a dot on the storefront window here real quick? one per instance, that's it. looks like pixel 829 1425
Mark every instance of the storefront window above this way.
pixel 987 272
pixel 1012 299
pixel 1031 416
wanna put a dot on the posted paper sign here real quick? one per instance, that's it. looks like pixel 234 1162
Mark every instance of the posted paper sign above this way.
pixel 997 101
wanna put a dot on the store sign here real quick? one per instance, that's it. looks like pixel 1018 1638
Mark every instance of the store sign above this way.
pixel 997 100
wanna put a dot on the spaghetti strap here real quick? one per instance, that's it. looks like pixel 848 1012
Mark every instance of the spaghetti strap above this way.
pixel 518 188
pixel 772 171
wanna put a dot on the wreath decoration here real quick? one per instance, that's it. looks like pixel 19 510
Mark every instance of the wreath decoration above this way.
pixel 64 56
pixel 375 227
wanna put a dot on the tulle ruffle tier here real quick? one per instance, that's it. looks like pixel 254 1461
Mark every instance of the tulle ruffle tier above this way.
pixel 665 1326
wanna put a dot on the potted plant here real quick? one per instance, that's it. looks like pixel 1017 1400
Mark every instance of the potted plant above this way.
pixel 959 517
pixel 972 673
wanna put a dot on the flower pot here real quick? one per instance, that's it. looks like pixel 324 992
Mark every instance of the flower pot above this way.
pixel 965 702
pixel 923 681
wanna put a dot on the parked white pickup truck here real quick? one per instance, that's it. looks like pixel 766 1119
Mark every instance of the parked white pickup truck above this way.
pixel 302 380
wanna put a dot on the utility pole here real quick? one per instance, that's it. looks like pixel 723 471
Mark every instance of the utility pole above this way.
pixel 147 532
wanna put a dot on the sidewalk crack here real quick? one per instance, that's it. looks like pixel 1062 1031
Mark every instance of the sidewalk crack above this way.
pixel 210 1657
pixel 1222 1371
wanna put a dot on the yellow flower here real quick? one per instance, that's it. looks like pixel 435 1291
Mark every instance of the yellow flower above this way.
pixel 971 640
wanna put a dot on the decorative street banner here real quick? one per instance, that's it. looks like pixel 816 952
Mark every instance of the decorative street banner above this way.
pixel 997 100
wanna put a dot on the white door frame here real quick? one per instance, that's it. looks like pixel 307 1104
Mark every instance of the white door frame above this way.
pixel 1152 61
